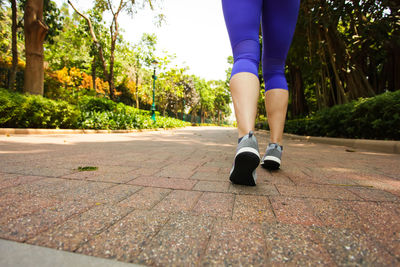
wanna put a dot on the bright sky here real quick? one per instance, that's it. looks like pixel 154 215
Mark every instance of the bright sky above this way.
pixel 194 31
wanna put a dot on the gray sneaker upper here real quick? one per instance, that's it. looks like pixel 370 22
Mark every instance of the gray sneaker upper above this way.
pixel 274 150
pixel 248 143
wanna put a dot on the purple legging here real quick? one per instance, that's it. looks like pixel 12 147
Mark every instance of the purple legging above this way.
pixel 278 21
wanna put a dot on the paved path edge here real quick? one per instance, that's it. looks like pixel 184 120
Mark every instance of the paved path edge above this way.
pixel 386 146
pixel 72 131
pixel 17 254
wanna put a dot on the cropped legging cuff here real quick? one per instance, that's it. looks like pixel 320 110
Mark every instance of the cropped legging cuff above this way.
pixel 278 21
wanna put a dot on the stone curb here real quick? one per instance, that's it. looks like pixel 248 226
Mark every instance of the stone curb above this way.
pixel 14 254
pixel 386 146
pixel 34 131
pixel 73 131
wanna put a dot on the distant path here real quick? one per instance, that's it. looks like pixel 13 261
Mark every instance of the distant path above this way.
pixel 163 198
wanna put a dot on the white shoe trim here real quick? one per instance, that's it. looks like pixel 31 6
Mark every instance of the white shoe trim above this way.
pixel 248 149
pixel 271 158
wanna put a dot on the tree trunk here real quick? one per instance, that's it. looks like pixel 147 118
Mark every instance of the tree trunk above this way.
pixel 112 50
pixel 35 31
pixel 94 73
pixel 341 96
pixel 137 86
pixel 95 41
pixel 298 99
pixel 14 67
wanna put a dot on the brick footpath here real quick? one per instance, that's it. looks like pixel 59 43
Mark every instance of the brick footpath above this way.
pixel 163 198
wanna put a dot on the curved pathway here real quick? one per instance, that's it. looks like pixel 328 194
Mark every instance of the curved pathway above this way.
pixel 163 198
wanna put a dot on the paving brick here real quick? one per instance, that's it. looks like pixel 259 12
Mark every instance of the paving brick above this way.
pixel 293 245
pixel 146 198
pixel 125 240
pixel 176 171
pixel 180 242
pixel 150 171
pixel 14 180
pixel 381 222
pixel 77 230
pixel 164 182
pixel 81 175
pixel 235 243
pixel 335 213
pixel 76 190
pixel 112 174
pixel 251 208
pixel 35 170
pixel 208 169
pixel 221 164
pixel 297 174
pixel 210 176
pixel 28 226
pixel 318 191
pixel 114 194
pixel 212 186
pixel 46 187
pixel 339 179
pixel 215 204
pixel 293 211
pixel 349 247
pixel 373 194
pixel 272 177
pixel 178 200
pixel 14 206
pixel 260 189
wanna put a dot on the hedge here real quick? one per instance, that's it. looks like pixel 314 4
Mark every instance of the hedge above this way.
pixel 367 118
pixel 32 111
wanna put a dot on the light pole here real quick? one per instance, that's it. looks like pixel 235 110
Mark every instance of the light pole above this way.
pixel 153 106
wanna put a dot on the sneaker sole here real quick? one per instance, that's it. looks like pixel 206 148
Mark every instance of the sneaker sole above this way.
pixel 244 166
pixel 271 163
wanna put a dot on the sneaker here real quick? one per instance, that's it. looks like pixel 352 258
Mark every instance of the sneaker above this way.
pixel 246 161
pixel 272 157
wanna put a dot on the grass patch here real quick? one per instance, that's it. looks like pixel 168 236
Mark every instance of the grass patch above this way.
pixel 87 168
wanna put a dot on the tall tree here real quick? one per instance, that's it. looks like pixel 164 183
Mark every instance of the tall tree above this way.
pixel 35 31
pixel 127 6
pixel 14 47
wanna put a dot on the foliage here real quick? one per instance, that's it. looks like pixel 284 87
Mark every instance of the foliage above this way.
pixel 72 45
pixel 5 32
pixel 71 84
pixel 51 16
pixel 105 114
pixel 373 118
pixel 72 62
pixel 33 111
pixel 333 59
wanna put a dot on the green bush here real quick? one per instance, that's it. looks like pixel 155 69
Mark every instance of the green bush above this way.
pixel 371 118
pixel 101 113
pixel 126 119
pixel 97 104
pixel 23 111
pixel 33 111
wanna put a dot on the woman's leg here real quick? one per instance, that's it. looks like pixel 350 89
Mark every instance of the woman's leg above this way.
pixel 245 90
pixel 242 18
pixel 278 24
pixel 276 102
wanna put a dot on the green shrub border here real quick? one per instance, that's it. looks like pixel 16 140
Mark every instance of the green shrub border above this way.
pixel 366 118
pixel 33 111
